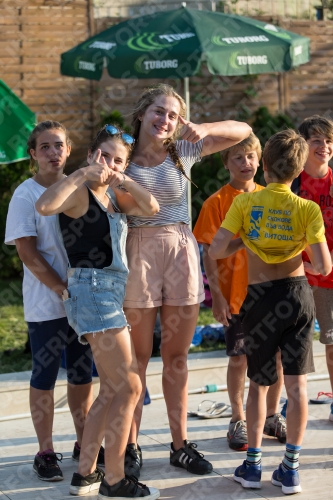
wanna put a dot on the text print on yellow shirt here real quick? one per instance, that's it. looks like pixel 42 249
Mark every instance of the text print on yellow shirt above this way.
pixel 279 220
pixel 275 223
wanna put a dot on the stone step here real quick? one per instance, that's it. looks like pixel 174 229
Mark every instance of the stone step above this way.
pixel 205 368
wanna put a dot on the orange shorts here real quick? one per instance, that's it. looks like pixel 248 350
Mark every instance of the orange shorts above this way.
pixel 164 267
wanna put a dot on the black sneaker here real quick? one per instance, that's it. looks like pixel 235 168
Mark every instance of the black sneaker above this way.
pixel 81 485
pixel 129 487
pixel 133 460
pixel 190 459
pixel 46 467
pixel 100 456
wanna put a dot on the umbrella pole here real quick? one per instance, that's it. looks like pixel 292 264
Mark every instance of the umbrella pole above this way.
pixel 187 102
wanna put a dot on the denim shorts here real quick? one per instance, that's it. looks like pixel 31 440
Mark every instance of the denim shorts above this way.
pixel 95 302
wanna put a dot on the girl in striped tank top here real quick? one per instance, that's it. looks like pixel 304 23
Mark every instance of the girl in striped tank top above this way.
pixel 163 258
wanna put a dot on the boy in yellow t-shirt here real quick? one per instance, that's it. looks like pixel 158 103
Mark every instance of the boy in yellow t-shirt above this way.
pixel 275 226
pixel 228 282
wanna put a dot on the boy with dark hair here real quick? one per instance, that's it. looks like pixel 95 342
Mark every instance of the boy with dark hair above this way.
pixel 314 184
pixel 228 282
pixel 275 226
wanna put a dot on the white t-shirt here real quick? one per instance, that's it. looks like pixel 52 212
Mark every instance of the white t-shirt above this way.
pixel 40 302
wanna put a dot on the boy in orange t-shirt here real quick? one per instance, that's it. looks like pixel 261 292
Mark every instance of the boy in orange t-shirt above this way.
pixel 228 284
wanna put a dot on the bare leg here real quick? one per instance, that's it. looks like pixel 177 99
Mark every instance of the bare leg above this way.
pixel 235 382
pixel 112 411
pixel 80 398
pixel 329 361
pixel 274 391
pixel 256 414
pixel 142 323
pixel 297 409
pixel 178 325
pixel 42 412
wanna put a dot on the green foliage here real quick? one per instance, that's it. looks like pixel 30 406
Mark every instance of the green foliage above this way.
pixel 114 118
pixel 265 124
pixel 10 177
pixel 205 316
pixel 328 5
pixel 210 175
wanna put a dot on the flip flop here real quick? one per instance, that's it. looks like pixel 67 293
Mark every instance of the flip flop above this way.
pixel 200 409
pixel 214 410
pixel 327 400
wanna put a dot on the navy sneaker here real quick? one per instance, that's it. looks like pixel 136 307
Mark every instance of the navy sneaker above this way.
pixel 289 480
pixel 249 476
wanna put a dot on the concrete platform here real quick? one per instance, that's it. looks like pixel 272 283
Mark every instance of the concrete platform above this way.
pixel 204 369
pixel 18 447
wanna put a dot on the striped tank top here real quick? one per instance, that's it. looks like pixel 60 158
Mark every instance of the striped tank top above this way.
pixel 168 185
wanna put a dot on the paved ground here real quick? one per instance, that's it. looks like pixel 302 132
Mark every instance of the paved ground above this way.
pixel 18 446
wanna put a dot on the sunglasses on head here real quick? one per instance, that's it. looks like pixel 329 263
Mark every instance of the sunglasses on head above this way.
pixel 114 130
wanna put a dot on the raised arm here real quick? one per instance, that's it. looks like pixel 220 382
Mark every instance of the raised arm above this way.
pixel 136 200
pixel 67 195
pixel 216 136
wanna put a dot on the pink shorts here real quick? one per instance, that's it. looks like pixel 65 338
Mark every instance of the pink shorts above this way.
pixel 164 267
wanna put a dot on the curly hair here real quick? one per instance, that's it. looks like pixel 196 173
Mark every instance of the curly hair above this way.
pixel 146 99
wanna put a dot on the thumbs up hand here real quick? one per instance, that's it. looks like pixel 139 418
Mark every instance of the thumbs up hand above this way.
pixel 192 132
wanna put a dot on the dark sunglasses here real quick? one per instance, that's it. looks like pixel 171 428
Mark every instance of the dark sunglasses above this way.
pixel 114 130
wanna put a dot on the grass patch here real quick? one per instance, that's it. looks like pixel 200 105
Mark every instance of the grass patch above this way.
pixel 13 329
pixel 207 346
pixel 205 316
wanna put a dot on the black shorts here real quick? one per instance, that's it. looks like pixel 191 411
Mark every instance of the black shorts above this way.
pixel 278 314
pixel 234 336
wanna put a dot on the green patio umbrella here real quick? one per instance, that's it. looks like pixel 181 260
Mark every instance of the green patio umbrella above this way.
pixel 16 124
pixel 173 44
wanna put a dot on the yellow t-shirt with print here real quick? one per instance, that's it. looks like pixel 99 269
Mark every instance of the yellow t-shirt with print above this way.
pixel 275 223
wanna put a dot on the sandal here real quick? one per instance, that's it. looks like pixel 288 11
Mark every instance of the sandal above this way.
pixel 327 400
pixel 214 410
